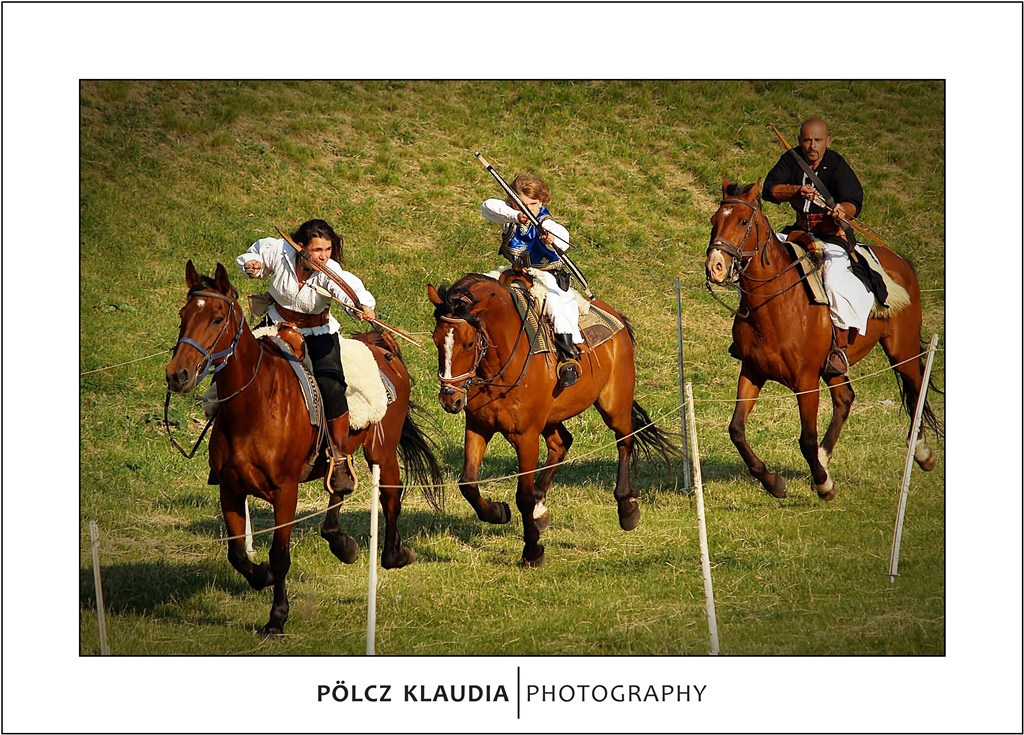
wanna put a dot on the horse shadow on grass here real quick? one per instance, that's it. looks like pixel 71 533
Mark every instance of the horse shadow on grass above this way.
pixel 156 588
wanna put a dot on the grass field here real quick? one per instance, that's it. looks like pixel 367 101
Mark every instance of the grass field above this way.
pixel 172 171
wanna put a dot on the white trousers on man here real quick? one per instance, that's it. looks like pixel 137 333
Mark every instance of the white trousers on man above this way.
pixel 560 306
pixel 849 299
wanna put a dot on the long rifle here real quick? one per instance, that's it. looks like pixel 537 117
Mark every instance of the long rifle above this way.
pixel 570 266
pixel 820 201
pixel 317 266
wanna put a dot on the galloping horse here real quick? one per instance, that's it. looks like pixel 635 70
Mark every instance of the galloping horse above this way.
pixel 262 436
pixel 486 366
pixel 779 336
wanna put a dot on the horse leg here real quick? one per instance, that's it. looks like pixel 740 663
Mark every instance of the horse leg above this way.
pixel 232 505
pixel 528 452
pixel 807 399
pixel 910 374
pixel 618 416
pixel 280 557
pixel 558 440
pixel 394 555
pixel 342 545
pixel 747 391
pixel 842 400
pixel 487 510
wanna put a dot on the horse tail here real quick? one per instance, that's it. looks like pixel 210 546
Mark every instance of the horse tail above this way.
pixel 421 466
pixel 629 328
pixel 649 438
pixel 908 396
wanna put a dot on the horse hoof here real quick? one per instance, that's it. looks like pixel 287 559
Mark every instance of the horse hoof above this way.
pixel 262 577
pixel 928 463
pixel 776 487
pixel 543 520
pixel 537 561
pixel 272 631
pixel 342 546
pixel 827 490
pixel 629 519
pixel 404 557
pixel 500 514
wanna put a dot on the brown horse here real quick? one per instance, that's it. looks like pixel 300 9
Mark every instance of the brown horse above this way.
pixel 780 336
pixel 486 367
pixel 262 436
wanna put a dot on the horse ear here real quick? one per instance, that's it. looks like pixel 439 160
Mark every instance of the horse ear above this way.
pixel 433 295
pixel 725 186
pixel 756 189
pixel 220 278
pixel 192 277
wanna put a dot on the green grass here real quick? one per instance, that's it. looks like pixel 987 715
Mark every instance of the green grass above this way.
pixel 179 170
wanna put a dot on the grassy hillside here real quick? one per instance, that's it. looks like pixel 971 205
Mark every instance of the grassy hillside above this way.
pixel 172 171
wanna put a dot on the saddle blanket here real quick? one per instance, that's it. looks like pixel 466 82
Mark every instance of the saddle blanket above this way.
pixel 369 391
pixel 898 299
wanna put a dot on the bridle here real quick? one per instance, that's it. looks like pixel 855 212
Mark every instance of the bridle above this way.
pixel 210 359
pixel 741 259
pixel 463 382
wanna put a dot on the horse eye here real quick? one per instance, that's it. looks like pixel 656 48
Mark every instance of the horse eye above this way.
pixel 744 222
pixel 218 320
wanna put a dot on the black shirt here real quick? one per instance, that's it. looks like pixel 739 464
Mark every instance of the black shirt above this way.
pixel 835 173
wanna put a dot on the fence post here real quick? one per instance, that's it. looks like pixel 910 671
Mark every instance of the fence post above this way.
pixel 705 562
pixel 915 427
pixel 687 478
pixel 94 534
pixel 371 607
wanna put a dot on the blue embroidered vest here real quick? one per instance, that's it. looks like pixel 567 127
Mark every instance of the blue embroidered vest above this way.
pixel 516 242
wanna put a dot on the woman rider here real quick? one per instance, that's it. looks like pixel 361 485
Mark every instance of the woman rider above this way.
pixel 295 300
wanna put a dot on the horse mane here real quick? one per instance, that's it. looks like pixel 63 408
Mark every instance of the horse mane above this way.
pixel 738 189
pixel 457 299
pixel 209 284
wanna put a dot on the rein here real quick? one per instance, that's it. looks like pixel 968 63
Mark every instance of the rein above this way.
pixel 209 359
pixel 745 257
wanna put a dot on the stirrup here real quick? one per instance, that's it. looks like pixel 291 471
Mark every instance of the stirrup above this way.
pixel 344 465
pixel 830 370
pixel 568 372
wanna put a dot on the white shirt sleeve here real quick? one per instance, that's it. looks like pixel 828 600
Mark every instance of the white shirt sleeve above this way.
pixel 365 297
pixel 561 234
pixel 266 250
pixel 495 210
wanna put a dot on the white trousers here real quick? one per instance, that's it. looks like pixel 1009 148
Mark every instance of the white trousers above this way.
pixel 561 306
pixel 849 299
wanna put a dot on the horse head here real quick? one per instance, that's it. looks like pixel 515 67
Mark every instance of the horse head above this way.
pixel 205 342
pixel 460 337
pixel 737 229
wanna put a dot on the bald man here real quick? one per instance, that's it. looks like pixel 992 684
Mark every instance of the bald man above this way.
pixel 850 300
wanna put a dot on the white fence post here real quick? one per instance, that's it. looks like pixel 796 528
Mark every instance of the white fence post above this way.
pixel 371 611
pixel 915 427
pixel 705 562
pixel 687 477
pixel 94 534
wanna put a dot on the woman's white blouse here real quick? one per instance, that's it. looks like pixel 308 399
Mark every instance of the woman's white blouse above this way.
pixel 278 265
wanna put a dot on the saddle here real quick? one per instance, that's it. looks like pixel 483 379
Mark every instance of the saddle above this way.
pixel 802 247
pixel 369 391
pixel 596 324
